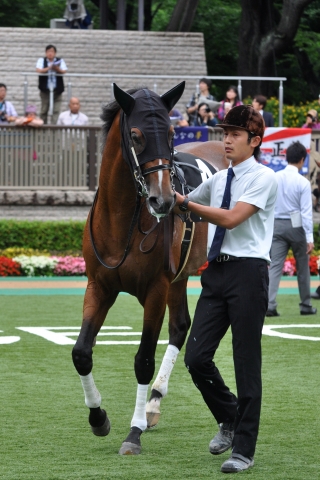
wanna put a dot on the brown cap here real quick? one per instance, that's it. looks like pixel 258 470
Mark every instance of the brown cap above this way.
pixel 246 118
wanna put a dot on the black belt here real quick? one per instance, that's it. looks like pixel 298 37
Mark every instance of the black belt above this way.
pixel 229 258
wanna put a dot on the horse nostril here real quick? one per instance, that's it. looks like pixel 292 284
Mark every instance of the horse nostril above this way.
pixel 160 205
pixel 154 202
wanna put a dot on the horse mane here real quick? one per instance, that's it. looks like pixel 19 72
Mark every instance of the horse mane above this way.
pixel 109 112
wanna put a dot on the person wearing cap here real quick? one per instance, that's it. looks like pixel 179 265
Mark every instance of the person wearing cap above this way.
pixel 30 119
pixel 312 120
pixel 239 205
pixel 203 94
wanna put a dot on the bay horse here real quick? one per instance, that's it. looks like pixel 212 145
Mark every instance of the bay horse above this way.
pixel 134 203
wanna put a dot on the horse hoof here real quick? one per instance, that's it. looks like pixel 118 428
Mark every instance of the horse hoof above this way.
pixel 104 429
pixel 129 448
pixel 152 419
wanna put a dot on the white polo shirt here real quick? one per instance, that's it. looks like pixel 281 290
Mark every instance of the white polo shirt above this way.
pixel 255 184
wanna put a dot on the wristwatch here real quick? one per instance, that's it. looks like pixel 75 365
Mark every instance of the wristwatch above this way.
pixel 184 205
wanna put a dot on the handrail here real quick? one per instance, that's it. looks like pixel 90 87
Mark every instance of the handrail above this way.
pixel 239 78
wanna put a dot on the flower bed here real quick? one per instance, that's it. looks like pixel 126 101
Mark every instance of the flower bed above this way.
pixel 42 266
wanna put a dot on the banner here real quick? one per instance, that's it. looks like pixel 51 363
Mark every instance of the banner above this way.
pixel 190 134
pixel 275 143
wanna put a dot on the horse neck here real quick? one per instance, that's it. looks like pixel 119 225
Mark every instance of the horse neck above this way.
pixel 117 193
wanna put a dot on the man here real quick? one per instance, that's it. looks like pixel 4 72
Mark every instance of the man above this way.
pixel 7 110
pixel 204 93
pixel 293 228
pixel 52 66
pixel 73 116
pixel 259 102
pixel 234 285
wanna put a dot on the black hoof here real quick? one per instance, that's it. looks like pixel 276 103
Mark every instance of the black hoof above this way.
pixel 99 422
pixel 132 444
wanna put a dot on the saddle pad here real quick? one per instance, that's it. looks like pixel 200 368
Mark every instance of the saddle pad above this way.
pixel 190 171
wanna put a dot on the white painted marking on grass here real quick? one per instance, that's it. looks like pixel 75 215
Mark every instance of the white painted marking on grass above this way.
pixel 9 339
pixel 271 331
pixel 61 335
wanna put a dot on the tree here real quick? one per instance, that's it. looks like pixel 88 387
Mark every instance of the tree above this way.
pixel 265 35
pixel 183 16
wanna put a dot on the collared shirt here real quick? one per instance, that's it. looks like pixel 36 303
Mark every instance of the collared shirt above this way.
pixel 294 194
pixel 255 184
pixel 67 118
pixel 52 79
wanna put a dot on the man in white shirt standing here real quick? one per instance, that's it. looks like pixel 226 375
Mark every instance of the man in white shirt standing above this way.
pixel 239 206
pixel 73 116
pixel 51 65
pixel 293 228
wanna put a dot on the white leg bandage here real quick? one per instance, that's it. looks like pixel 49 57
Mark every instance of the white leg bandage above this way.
pixel 162 380
pixel 139 418
pixel 91 393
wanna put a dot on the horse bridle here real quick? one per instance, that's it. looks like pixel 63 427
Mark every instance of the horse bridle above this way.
pixel 129 155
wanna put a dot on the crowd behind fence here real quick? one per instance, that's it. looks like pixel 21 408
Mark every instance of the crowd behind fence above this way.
pixel 60 158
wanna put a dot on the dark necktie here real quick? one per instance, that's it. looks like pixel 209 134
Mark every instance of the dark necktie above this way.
pixel 220 231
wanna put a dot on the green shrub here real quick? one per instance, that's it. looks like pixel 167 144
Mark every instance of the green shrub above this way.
pixel 56 236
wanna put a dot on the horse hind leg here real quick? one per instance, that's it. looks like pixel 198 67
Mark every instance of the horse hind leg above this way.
pixel 179 324
pixel 95 311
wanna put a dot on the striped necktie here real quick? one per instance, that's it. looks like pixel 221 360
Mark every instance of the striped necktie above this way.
pixel 220 231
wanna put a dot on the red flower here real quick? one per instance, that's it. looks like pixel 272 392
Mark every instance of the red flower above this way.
pixel 9 267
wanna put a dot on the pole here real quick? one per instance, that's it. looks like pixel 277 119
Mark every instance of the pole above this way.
pixel 141 16
pixel 25 88
pixel 103 14
pixel 281 104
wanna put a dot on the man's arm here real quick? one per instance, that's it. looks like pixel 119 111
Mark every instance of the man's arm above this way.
pixel 228 219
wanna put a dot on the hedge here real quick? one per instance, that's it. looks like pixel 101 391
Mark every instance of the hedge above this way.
pixel 58 236
pixel 54 236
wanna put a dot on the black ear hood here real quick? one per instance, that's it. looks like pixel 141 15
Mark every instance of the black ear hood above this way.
pixel 173 96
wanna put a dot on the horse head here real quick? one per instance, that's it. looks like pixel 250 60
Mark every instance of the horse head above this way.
pixel 147 144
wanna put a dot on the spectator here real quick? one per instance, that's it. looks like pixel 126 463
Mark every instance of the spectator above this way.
pixel 259 102
pixel 177 119
pixel 293 228
pixel 51 65
pixel 232 97
pixel 316 194
pixel 203 94
pixel 30 118
pixel 205 117
pixel 7 111
pixel 73 116
pixel 312 120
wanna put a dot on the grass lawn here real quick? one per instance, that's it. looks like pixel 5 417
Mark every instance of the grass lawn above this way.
pixel 44 430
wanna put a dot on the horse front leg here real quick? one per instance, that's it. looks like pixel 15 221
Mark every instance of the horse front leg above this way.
pixel 179 324
pixel 95 310
pixel 144 366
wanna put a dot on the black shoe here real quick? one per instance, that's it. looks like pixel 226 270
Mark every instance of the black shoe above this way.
pixel 315 295
pixel 272 313
pixel 311 311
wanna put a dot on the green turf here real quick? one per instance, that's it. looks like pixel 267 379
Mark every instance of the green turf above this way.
pixel 44 429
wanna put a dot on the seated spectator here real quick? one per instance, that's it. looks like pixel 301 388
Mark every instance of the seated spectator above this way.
pixel 73 116
pixel 205 117
pixel 232 97
pixel 7 111
pixel 259 102
pixel 30 119
pixel 204 93
pixel 312 120
pixel 177 119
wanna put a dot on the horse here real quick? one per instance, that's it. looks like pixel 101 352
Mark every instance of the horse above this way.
pixel 132 243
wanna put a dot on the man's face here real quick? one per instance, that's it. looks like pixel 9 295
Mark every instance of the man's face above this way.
pixel 3 92
pixel 203 87
pixel 50 54
pixel 236 144
pixel 74 105
pixel 256 105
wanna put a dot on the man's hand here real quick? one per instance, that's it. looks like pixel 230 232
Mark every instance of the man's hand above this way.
pixel 179 200
pixel 310 247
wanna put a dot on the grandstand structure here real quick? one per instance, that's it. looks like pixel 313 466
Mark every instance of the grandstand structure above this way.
pixel 100 52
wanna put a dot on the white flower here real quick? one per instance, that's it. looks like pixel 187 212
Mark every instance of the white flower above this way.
pixel 36 264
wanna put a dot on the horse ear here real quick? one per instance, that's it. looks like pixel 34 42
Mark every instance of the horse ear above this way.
pixel 172 96
pixel 125 100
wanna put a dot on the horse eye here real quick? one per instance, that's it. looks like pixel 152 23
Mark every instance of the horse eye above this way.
pixel 139 142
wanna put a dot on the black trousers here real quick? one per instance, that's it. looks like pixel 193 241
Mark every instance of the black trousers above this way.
pixel 236 294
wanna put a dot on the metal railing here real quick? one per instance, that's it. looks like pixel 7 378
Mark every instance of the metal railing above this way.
pixel 111 76
pixel 49 157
